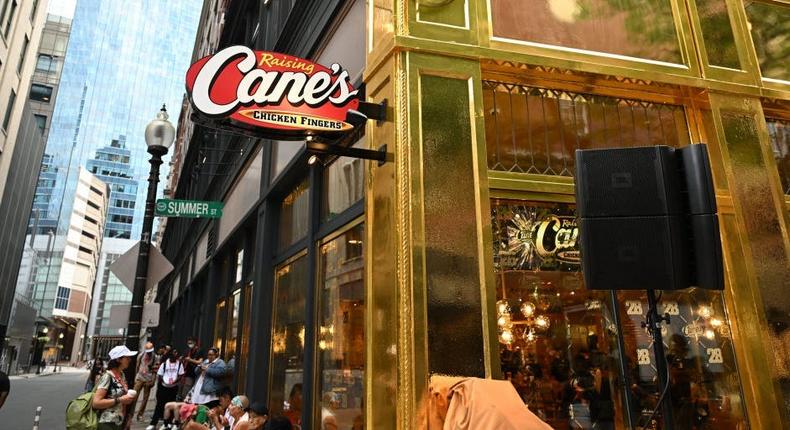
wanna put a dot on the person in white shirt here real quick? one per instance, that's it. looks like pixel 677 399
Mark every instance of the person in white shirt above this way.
pixel 237 411
pixel 169 375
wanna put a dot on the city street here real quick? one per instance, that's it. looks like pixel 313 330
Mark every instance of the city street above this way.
pixel 52 392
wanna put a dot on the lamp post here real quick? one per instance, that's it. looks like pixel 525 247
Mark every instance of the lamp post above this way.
pixel 57 357
pixel 159 135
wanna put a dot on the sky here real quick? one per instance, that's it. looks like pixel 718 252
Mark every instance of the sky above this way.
pixel 62 7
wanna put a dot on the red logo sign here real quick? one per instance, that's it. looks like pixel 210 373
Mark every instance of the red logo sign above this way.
pixel 271 90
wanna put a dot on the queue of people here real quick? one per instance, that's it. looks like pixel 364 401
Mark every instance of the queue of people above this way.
pixel 191 392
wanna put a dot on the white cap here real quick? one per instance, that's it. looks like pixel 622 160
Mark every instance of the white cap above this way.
pixel 121 351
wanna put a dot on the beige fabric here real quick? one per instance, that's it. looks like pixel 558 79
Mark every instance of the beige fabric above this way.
pixel 478 404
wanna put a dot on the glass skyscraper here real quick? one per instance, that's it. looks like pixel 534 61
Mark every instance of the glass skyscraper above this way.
pixel 112 164
pixel 115 79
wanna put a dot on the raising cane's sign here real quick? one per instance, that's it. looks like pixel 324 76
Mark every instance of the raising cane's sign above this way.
pixel 275 91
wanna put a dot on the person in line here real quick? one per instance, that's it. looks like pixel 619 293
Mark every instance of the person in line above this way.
pixel 209 378
pixel 5 388
pixel 170 373
pixel 294 412
pixel 145 378
pixel 237 413
pixel 192 359
pixel 328 405
pixel 112 394
pixel 259 414
pixel 218 414
pixel 97 370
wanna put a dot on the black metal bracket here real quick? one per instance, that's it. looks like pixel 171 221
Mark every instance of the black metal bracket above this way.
pixel 377 111
pixel 380 155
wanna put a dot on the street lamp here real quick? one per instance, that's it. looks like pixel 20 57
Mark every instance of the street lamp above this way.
pixel 58 346
pixel 159 135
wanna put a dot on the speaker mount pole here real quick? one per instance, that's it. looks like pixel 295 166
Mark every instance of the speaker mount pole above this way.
pixel 653 325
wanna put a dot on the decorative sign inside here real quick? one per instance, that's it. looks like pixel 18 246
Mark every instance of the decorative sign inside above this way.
pixel 287 95
pixel 188 209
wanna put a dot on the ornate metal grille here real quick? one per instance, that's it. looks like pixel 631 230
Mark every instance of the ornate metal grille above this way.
pixel 537 130
pixel 779 132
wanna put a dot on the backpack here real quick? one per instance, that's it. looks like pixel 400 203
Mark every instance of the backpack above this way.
pixel 80 414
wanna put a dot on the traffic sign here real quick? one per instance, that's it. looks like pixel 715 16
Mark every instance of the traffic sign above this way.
pixel 188 209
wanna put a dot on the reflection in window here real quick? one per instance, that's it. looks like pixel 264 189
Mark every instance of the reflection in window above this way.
pixel 717 33
pixel 636 28
pixel 343 184
pixel 245 339
pixel 233 327
pixel 288 339
pixel 341 334
pixel 779 132
pixel 294 216
pixel 770 25
pixel 537 130
pixel 40 93
pixel 282 154
pixel 220 317
pixel 559 341
pixel 239 265
pixel 704 383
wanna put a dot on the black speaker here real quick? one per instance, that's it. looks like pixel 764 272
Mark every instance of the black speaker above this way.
pixel 647 219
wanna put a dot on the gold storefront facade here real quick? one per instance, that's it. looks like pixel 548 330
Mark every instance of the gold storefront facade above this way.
pixel 471 228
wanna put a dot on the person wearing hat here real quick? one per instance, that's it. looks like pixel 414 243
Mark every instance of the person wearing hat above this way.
pixel 145 377
pixel 112 394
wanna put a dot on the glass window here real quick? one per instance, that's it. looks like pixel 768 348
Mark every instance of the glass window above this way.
pixel 40 93
pixel 233 327
pixel 770 25
pixel 239 265
pixel 220 315
pixel 25 44
pixel 283 152
pixel 287 354
pixel 41 122
pixel 9 110
pixel 245 339
pixel 62 299
pixel 294 217
pixel 538 130
pixel 559 342
pixel 10 21
pixel 635 28
pixel 779 132
pixel 717 33
pixel 341 335
pixel 343 184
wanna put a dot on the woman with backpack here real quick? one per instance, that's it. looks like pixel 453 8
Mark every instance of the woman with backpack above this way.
pixel 97 370
pixel 112 394
pixel 170 373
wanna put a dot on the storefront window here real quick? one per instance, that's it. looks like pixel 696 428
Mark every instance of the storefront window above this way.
pixel 538 130
pixel 220 316
pixel 779 132
pixel 239 266
pixel 233 327
pixel 282 153
pixel 561 344
pixel 704 382
pixel 245 340
pixel 287 353
pixel 341 334
pixel 770 23
pixel 343 184
pixel 637 28
pixel 294 216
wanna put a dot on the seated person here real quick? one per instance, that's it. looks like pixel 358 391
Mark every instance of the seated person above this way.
pixel 259 414
pixel 278 423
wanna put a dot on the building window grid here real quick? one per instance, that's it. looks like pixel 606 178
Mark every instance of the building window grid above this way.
pixel 62 299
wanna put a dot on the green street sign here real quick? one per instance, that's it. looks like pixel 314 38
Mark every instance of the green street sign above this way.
pixel 188 209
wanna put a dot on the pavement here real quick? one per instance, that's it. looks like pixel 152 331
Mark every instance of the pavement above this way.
pixel 52 391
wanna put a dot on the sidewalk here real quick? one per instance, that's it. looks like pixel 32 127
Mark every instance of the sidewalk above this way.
pixel 149 412
pixel 49 370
